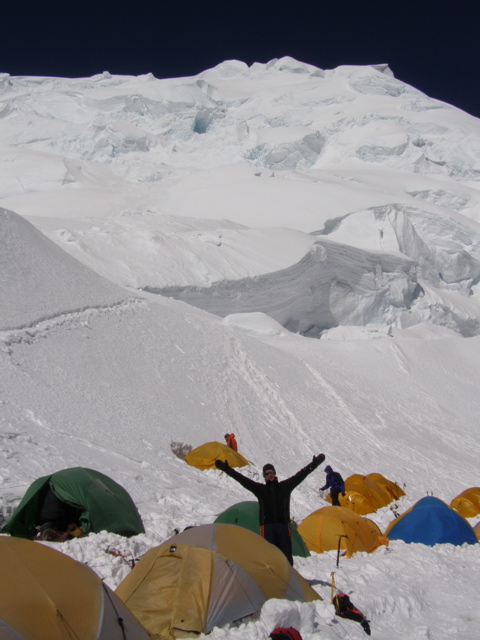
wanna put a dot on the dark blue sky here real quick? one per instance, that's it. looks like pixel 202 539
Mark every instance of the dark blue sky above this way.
pixel 430 44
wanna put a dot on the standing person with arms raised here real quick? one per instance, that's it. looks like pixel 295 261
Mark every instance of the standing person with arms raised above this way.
pixel 274 500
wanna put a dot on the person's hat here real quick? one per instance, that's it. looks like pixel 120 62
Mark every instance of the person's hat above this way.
pixel 328 469
pixel 269 467
pixel 226 435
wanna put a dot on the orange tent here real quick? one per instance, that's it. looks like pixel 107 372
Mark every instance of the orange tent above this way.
pixel 366 494
pixel 204 456
pixel 323 529
pixel 467 503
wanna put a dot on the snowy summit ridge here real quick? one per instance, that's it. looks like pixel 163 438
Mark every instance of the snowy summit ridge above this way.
pixel 197 172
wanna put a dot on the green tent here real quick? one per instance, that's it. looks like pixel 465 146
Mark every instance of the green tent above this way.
pixel 103 505
pixel 245 514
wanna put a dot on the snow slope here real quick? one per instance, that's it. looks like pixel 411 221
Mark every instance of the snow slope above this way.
pixel 267 198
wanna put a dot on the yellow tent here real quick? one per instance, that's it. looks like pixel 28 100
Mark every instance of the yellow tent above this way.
pixel 208 576
pixel 366 494
pixel 45 595
pixel 476 528
pixel 389 488
pixel 204 456
pixel 467 503
pixel 323 529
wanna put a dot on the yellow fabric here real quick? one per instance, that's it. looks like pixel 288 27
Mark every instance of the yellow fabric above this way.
pixel 357 501
pixel 255 555
pixel 476 528
pixel 169 589
pixel 366 494
pixel 204 456
pixel 322 529
pixel 391 489
pixel 58 593
pixel 467 503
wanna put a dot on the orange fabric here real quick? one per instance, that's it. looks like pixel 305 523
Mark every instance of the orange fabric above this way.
pixel 231 442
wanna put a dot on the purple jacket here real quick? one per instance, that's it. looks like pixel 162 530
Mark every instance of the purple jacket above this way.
pixel 333 481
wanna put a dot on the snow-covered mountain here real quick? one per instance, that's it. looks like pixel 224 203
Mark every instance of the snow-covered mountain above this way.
pixel 198 181
pixel 166 246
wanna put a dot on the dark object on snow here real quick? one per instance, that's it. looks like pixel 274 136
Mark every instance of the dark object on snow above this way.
pixel 345 609
pixel 285 633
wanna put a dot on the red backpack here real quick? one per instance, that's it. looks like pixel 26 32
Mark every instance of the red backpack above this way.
pixel 285 633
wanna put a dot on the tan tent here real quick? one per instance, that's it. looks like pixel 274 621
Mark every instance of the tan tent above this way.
pixel 208 576
pixel 366 494
pixel 467 503
pixel 45 595
pixel 204 456
pixel 323 529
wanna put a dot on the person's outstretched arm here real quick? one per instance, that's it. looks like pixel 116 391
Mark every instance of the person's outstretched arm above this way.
pixel 300 476
pixel 247 483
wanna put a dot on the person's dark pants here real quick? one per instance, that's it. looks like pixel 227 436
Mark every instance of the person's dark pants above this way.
pixel 334 493
pixel 279 535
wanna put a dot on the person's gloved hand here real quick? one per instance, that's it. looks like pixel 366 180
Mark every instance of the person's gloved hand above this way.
pixel 366 626
pixel 316 460
pixel 222 465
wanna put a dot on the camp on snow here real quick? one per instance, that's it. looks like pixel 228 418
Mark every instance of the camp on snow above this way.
pixel 366 494
pixel 46 595
pixel 208 576
pixel 246 514
pixel 329 527
pixel 431 521
pixel 89 498
pixel 467 503
pixel 204 456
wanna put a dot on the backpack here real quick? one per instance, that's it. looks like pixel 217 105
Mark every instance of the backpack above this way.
pixel 285 633
pixel 345 608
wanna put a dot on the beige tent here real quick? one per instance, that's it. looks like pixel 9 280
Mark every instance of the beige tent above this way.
pixel 325 528
pixel 467 503
pixel 204 456
pixel 208 576
pixel 45 595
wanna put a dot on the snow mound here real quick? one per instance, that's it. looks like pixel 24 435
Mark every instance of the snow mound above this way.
pixel 39 281
pixel 256 324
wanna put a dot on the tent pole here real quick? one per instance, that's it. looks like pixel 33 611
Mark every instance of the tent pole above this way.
pixel 338 550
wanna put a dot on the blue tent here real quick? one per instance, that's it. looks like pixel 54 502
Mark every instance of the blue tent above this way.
pixel 431 521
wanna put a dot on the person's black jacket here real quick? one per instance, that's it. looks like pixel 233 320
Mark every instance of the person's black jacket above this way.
pixel 273 497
